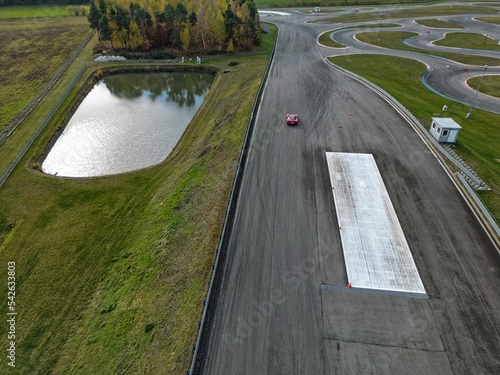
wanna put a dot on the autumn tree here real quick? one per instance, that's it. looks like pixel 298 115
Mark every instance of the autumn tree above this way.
pixel 105 29
pixel 93 17
pixel 180 24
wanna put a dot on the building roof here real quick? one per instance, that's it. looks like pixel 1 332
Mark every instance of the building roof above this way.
pixel 446 123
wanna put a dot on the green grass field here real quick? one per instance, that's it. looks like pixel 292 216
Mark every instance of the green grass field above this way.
pixel 327 41
pixel 468 40
pixel 394 40
pixel 490 85
pixel 33 49
pixel 436 23
pixel 495 20
pixel 79 243
pixel 32 11
pixel 478 141
pixel 112 271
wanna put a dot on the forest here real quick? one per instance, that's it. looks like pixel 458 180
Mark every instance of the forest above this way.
pixel 191 25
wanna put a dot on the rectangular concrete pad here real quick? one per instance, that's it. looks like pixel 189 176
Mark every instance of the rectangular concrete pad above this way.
pixel 357 358
pixel 376 253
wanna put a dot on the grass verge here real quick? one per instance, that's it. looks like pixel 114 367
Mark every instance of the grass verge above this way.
pixel 327 41
pixel 479 140
pixel 35 11
pixel 490 85
pixel 468 40
pixel 495 20
pixel 112 271
pixel 394 40
pixel 439 24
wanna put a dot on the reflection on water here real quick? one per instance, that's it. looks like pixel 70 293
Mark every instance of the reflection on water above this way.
pixel 127 122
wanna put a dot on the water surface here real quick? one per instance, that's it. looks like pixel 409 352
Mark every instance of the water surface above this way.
pixel 127 122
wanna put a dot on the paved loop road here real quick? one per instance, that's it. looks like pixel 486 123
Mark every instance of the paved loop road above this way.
pixel 283 307
pixel 446 77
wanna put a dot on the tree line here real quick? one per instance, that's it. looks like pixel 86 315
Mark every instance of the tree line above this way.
pixel 200 25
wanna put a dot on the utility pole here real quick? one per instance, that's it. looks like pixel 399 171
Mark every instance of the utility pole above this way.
pixel 484 68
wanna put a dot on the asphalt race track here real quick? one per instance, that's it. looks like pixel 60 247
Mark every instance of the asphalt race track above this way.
pixel 284 307
pixel 445 77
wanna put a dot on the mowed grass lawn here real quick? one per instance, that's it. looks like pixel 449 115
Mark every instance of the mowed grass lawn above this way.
pixel 489 85
pixel 468 40
pixel 32 51
pixel 111 272
pixel 43 10
pixel 479 140
pixel 437 23
pixel 394 40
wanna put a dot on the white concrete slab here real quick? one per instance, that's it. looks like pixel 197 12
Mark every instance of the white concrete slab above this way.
pixel 376 253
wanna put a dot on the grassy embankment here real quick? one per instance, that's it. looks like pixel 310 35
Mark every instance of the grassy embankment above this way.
pixel 111 272
pixel 479 140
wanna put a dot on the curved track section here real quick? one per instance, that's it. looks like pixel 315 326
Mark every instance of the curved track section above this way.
pixel 445 77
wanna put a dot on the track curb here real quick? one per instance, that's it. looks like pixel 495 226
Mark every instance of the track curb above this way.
pixel 201 345
pixel 474 202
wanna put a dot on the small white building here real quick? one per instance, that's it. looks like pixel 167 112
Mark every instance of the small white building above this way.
pixel 444 129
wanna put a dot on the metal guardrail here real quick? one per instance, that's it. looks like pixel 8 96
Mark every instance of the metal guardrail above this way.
pixel 212 295
pixel 410 118
pixel 480 204
pixel 414 122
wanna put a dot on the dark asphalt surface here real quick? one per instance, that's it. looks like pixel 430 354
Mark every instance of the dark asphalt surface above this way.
pixel 445 77
pixel 283 307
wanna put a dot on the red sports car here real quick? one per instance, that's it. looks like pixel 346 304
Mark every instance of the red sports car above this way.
pixel 292 119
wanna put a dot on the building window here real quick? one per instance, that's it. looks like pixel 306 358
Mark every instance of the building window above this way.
pixel 439 130
pixel 433 125
pixel 445 133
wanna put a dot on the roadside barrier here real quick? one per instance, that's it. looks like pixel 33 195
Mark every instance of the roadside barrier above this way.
pixel 200 348
pixel 487 220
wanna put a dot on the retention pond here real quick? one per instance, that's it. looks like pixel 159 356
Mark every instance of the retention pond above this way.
pixel 127 122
